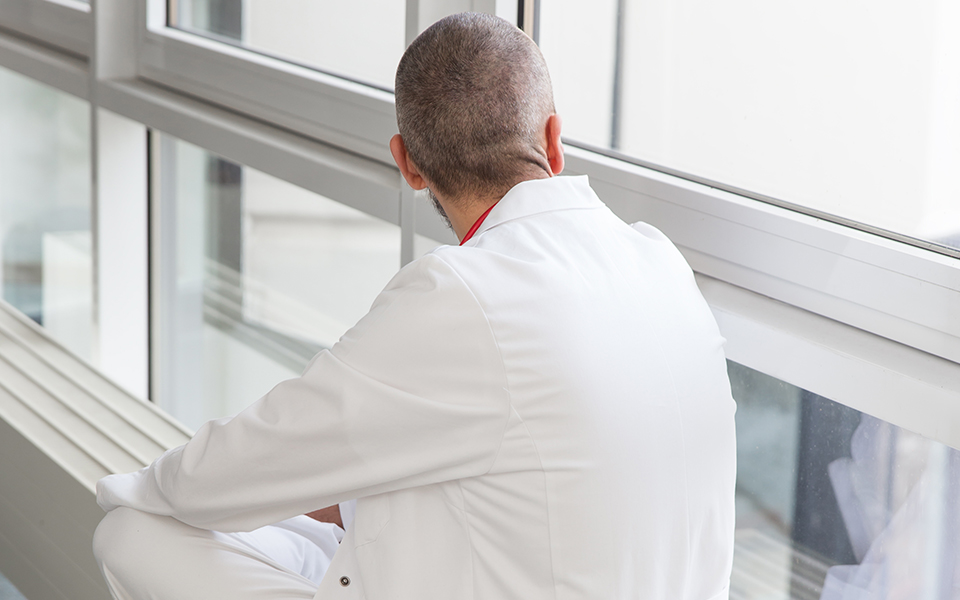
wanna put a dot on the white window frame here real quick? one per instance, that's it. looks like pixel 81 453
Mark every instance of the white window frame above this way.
pixel 346 114
pixel 58 70
pixel 882 286
pixel 64 24
pixel 337 111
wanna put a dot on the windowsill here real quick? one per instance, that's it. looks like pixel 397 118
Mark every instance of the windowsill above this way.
pixel 62 427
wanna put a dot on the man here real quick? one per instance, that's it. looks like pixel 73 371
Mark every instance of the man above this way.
pixel 541 412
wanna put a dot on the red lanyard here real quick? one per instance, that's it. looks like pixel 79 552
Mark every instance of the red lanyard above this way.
pixel 476 225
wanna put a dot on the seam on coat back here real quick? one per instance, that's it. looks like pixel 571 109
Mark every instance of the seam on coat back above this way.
pixel 469 528
pixel 373 319
pixel 686 479
pixel 677 406
pixel 365 490
pixel 546 502
pixel 503 370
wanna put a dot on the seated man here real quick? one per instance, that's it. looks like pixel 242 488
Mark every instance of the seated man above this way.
pixel 540 412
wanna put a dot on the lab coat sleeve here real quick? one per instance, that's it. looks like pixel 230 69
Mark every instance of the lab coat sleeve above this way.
pixel 414 394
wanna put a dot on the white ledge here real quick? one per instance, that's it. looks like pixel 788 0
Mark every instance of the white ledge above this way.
pixel 894 382
pixel 62 427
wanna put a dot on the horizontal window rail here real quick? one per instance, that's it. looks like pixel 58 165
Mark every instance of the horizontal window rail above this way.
pixel 56 69
pixel 888 380
pixel 885 287
pixel 63 24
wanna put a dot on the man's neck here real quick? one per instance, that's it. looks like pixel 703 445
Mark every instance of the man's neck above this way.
pixel 464 212
pixel 462 220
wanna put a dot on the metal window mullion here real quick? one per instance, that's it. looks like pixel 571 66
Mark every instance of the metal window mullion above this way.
pixel 616 116
pixel 412 21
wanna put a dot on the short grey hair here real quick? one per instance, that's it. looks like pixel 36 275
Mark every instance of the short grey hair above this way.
pixel 473 96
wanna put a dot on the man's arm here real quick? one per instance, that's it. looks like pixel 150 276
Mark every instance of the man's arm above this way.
pixel 413 395
pixel 330 514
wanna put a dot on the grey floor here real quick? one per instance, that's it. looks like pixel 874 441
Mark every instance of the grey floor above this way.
pixel 7 591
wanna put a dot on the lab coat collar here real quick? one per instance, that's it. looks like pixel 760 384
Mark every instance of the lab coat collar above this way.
pixel 538 196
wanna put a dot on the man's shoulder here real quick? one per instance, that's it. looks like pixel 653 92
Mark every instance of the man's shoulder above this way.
pixel 425 317
pixel 447 264
pixel 421 289
pixel 433 271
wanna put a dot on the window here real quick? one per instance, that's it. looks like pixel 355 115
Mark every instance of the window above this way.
pixel 45 209
pixel 833 503
pixel 820 113
pixel 255 277
pixel 308 32
pixel 317 126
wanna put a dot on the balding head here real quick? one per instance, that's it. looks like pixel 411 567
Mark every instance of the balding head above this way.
pixel 473 97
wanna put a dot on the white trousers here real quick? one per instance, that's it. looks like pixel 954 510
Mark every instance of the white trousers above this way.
pixel 148 557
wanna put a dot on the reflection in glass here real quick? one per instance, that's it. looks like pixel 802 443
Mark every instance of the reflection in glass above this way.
pixel 8 591
pixel 256 276
pixel 358 40
pixel 45 208
pixel 775 98
pixel 834 504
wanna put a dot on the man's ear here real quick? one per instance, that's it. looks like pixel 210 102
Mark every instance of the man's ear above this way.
pixel 406 166
pixel 554 144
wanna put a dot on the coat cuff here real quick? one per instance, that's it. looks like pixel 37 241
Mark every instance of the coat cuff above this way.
pixel 348 511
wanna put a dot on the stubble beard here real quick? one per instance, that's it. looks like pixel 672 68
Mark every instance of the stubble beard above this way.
pixel 439 208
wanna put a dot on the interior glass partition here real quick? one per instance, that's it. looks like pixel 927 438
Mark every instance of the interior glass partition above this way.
pixel 834 504
pixel 45 245
pixel 809 105
pixel 255 276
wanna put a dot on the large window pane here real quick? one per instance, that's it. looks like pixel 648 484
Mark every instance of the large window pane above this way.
pixel 256 276
pixel 838 505
pixel 45 208
pixel 812 104
pixel 358 40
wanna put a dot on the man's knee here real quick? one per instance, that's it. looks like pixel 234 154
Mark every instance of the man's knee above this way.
pixel 149 556
pixel 114 534
pixel 138 551
pixel 125 536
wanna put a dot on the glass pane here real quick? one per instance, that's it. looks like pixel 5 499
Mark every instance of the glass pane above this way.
pixel 256 276
pixel 809 104
pixel 45 208
pixel 836 504
pixel 358 40
pixel 423 244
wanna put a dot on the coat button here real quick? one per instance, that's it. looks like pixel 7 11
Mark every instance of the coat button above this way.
pixel 344 581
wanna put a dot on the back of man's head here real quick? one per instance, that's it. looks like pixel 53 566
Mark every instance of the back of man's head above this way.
pixel 473 97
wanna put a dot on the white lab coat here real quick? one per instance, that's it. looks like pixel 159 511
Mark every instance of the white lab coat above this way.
pixel 543 412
